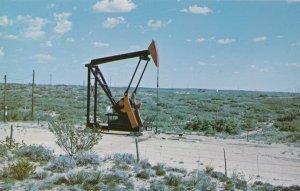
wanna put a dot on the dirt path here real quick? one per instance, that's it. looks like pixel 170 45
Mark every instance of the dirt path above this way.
pixel 277 164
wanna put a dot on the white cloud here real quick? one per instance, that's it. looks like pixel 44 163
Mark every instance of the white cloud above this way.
pixel 69 39
pixel 226 41
pixel 46 44
pixel 293 64
pixel 260 38
pixel 197 10
pixel 264 70
pixel 111 22
pixel 200 40
pixel 293 1
pixel 34 28
pixel 202 63
pixel 260 69
pixel 63 25
pixel 43 58
pixel 1 51
pixel 114 6
pixel 154 25
pixel 51 6
pixel 100 44
pixel 9 36
pixel 4 21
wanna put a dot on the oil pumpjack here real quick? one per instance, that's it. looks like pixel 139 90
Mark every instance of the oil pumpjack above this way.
pixel 125 114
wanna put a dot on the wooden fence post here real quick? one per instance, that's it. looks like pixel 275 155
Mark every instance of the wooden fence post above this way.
pixel 137 150
pixel 11 136
pixel 225 162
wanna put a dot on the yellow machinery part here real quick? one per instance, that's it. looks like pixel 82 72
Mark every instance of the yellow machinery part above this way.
pixel 130 113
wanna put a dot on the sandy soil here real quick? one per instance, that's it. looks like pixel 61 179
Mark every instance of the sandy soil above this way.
pixel 277 164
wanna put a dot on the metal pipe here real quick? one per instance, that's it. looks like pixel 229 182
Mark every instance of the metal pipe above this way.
pixel 126 92
pixel 88 97
pixel 141 77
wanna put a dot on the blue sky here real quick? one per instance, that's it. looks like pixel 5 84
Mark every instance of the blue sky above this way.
pixel 248 45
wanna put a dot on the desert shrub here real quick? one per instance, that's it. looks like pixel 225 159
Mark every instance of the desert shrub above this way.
pixel 48 183
pixel 149 121
pixel 84 179
pixel 219 175
pixel 239 182
pixel 5 186
pixel 40 174
pixel 159 170
pixel 121 166
pixel 62 163
pixel 35 152
pixel 124 157
pixel 248 125
pixel 158 185
pixel 74 178
pixel 92 181
pixel 209 169
pixel 21 169
pixel 74 139
pixel 173 180
pixel 288 188
pixel 3 150
pixel 289 116
pixel 87 158
pixel 177 170
pixel 9 143
pixel 145 164
pixel 260 186
pixel 293 137
pixel 209 127
pixel 199 181
pixel 228 185
pixel 290 126
pixel 115 180
pixel 144 174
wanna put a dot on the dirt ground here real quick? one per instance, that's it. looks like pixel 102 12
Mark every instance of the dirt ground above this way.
pixel 277 164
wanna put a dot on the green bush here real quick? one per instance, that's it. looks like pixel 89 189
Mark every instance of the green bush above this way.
pixel 40 175
pixel 143 174
pixel 145 164
pixel 62 163
pixel 209 169
pixel 21 169
pixel 159 170
pixel 73 139
pixel 290 116
pixel 219 175
pixel 290 126
pixel 121 166
pixel 116 180
pixel 239 182
pixel 35 152
pixel 209 127
pixel 124 157
pixel 87 158
pixel 86 180
pixel 295 137
pixel 173 180
pixel 9 143
pixel 199 181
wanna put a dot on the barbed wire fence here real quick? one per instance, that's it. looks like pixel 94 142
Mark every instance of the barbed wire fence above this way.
pixel 251 161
